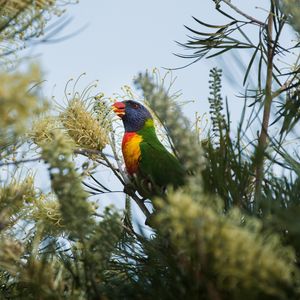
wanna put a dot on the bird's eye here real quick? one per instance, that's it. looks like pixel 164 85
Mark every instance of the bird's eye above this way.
pixel 135 106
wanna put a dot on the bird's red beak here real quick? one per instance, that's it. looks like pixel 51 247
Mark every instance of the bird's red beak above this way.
pixel 119 109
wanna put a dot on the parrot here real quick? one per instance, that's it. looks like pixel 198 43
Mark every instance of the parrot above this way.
pixel 145 156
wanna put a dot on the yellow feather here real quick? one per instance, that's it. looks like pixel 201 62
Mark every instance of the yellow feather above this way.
pixel 132 152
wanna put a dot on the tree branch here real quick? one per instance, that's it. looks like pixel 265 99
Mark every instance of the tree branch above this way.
pixel 87 152
pixel 18 162
pixel 262 141
pixel 123 178
pixel 130 191
pixel 236 9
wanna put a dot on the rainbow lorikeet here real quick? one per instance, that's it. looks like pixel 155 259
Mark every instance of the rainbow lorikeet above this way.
pixel 145 157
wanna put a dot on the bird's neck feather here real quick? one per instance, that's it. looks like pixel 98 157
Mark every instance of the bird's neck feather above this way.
pixel 147 133
pixel 131 151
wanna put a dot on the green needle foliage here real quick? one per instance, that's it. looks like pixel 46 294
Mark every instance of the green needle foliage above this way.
pixel 66 184
pixel 292 9
pixel 22 21
pixel 231 232
pixel 213 246
pixel 18 103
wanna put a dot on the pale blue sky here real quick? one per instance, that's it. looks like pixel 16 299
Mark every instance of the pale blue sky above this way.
pixel 126 37
pixel 122 39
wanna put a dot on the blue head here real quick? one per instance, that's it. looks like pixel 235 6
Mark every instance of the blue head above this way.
pixel 133 114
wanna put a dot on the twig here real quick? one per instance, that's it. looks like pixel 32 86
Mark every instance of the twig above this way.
pixel 140 202
pixel 286 86
pixel 114 170
pixel 86 152
pixel 262 141
pixel 227 2
pixel 99 161
pixel 107 163
pixel 127 228
pixel 20 161
pixel 116 157
pixel 123 178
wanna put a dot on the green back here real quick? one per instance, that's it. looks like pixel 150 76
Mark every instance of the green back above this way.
pixel 157 164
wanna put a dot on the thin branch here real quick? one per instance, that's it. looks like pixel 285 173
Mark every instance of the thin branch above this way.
pixel 114 169
pixel 128 229
pixel 99 183
pixel 236 9
pixel 99 161
pixel 262 141
pixel 140 202
pixel 283 88
pixel 125 181
pixel 286 86
pixel 20 161
pixel 117 159
pixel 87 152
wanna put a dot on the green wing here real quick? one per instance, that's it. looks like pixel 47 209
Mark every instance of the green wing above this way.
pixel 160 166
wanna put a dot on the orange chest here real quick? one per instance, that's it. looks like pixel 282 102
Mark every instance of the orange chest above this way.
pixel 131 151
